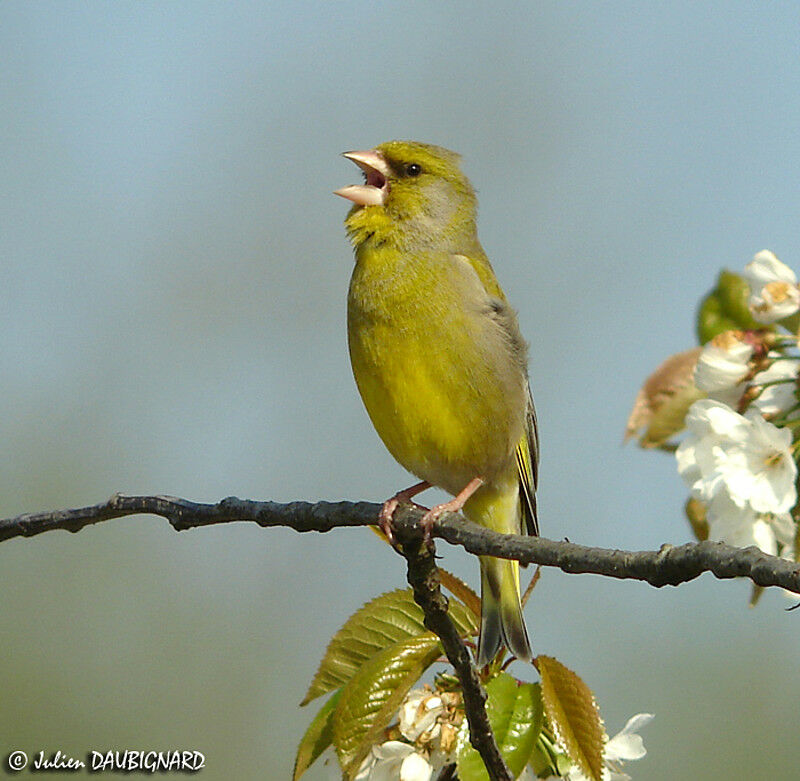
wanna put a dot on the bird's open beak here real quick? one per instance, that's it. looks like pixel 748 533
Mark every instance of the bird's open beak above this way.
pixel 376 182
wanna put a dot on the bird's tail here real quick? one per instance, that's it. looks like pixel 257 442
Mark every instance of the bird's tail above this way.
pixel 501 611
pixel 499 508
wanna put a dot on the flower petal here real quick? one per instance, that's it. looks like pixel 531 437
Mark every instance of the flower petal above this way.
pixel 625 747
pixel 415 768
pixel 723 365
pixel 773 288
pixel 635 723
pixel 765 267
pixel 780 396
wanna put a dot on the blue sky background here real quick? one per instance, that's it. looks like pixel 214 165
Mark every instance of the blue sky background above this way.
pixel 173 281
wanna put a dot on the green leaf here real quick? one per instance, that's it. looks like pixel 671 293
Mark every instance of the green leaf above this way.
pixel 547 759
pixel 388 619
pixel 376 657
pixel 515 713
pixel 318 737
pixel 573 714
pixel 523 727
pixel 371 697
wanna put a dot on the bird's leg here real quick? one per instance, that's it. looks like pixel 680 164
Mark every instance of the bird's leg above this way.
pixel 453 506
pixel 390 505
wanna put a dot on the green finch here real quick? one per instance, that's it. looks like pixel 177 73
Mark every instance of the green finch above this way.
pixel 439 359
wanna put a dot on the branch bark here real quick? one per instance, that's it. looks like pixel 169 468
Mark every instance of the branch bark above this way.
pixel 423 576
pixel 668 566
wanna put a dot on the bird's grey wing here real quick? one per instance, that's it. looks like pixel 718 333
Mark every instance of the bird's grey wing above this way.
pixel 527 451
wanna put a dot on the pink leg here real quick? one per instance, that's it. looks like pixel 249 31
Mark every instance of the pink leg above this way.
pixel 453 506
pixel 390 505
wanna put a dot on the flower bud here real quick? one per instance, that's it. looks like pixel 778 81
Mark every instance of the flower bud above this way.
pixel 725 308
pixel 661 404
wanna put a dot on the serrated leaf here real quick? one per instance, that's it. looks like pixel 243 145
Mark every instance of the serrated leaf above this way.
pixel 388 619
pixel 385 620
pixel 317 738
pixel 515 713
pixel 371 697
pixel 573 714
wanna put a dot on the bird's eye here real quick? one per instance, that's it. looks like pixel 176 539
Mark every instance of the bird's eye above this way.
pixel 413 169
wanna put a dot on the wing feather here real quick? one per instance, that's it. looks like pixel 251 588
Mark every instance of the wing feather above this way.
pixel 528 469
pixel 527 453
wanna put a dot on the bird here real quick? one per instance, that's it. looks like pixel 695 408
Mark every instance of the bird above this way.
pixel 439 360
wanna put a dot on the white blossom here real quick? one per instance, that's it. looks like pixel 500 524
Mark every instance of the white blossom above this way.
pixel 785 530
pixel 709 423
pixel 625 746
pixel 739 526
pixel 773 288
pixel 722 367
pixel 419 714
pixel 763 471
pixel 779 397
pixel 394 760
pixel 429 738
pixel 743 456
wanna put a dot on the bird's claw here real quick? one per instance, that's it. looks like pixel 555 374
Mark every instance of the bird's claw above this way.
pixel 385 520
pixel 386 515
pixel 455 505
pixel 428 520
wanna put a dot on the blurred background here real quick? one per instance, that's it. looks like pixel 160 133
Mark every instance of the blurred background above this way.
pixel 173 273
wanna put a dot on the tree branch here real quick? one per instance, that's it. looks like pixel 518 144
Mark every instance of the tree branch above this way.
pixel 669 566
pixel 423 576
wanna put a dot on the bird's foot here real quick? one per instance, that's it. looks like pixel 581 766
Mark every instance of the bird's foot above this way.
pixel 386 515
pixel 455 505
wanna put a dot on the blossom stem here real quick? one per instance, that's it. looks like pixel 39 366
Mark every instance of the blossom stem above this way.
pixel 783 381
pixel 783 419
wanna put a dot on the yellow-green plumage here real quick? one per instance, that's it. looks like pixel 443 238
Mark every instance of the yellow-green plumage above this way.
pixel 438 357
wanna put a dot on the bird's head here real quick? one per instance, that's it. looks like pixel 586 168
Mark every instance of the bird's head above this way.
pixel 413 194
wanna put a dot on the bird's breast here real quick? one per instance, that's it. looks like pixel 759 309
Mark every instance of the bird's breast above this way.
pixel 438 382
